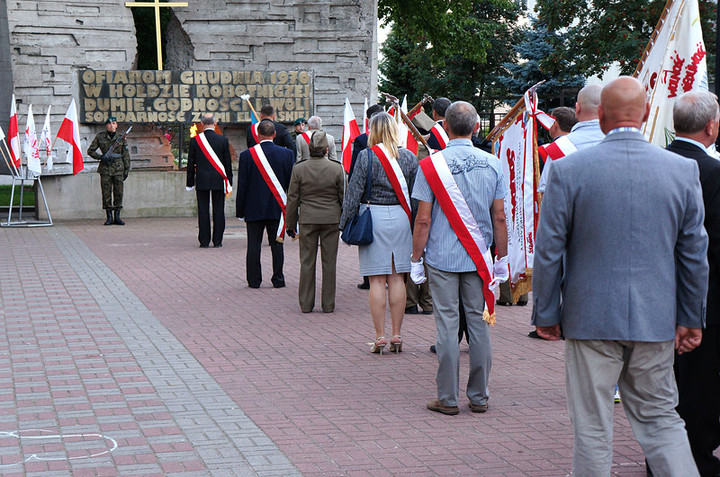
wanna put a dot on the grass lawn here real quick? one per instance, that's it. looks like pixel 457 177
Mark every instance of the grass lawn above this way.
pixel 28 196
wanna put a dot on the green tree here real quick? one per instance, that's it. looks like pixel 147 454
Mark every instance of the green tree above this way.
pixel 539 61
pixel 146 37
pixel 602 33
pixel 412 67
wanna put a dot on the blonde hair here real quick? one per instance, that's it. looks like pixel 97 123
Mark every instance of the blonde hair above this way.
pixel 384 130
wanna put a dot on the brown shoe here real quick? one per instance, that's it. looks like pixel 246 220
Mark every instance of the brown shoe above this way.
pixel 437 406
pixel 478 407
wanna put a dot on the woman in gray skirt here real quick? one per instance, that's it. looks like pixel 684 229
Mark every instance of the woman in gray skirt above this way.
pixel 387 259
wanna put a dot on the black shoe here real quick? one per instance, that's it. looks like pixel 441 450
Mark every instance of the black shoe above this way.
pixel 534 334
pixel 279 285
pixel 118 220
pixel 433 350
pixel 429 311
pixel 522 303
pixel 411 310
pixel 109 220
pixel 364 286
pixel 503 303
pixel 204 246
pixel 217 245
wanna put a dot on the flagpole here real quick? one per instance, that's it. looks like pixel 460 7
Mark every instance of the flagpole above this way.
pixel 8 163
pixel 406 120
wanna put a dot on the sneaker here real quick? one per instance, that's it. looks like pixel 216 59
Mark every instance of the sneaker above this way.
pixel 437 406
pixel 478 407
pixel 616 397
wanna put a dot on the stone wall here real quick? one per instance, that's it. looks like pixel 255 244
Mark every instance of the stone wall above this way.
pixel 336 39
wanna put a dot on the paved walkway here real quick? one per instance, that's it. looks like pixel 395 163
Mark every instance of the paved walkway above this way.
pixel 130 351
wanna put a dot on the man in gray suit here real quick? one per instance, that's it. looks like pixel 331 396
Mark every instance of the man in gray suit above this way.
pixel 621 270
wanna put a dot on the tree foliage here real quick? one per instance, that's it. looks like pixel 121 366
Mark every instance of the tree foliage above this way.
pixel 146 36
pixel 539 62
pixel 469 65
pixel 600 33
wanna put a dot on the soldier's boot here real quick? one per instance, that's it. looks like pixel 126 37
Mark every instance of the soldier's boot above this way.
pixel 118 220
pixel 109 220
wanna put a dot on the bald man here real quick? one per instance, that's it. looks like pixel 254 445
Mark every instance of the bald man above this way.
pixel 585 133
pixel 621 270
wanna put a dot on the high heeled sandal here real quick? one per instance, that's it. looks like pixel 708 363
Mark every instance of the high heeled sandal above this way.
pixel 395 344
pixel 379 345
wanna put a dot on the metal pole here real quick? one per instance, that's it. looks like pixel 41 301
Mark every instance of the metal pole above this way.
pixel 181 138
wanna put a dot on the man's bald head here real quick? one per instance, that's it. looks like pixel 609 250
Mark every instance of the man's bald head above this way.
pixel 588 100
pixel 623 103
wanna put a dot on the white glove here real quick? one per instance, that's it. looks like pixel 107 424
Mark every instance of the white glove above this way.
pixel 501 269
pixel 417 272
pixel 189 188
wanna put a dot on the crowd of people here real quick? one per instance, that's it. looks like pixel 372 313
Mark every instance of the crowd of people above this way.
pixel 623 270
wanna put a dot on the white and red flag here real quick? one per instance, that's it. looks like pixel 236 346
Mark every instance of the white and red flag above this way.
pixel 560 147
pixel 410 141
pixel 70 133
pixel 46 140
pixel 366 120
pixel 14 136
pixel 32 151
pixel 674 62
pixel 350 132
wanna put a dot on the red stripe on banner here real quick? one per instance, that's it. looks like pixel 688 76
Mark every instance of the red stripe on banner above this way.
pixel 269 182
pixel 212 163
pixel 306 136
pixel 394 180
pixel 448 208
pixel 253 130
pixel 438 135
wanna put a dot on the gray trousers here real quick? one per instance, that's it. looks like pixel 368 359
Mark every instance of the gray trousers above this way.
pixel 644 373
pixel 446 289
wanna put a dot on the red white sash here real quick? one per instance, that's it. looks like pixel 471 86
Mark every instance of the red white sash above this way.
pixel 214 160
pixel 272 182
pixel 396 177
pixel 439 133
pixel 560 147
pixel 253 130
pixel 307 137
pixel 462 221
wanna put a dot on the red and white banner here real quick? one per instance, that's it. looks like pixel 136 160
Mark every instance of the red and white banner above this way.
pixel 410 141
pixel 463 223
pixel 46 140
pixel 395 176
pixel 307 137
pixel 516 149
pixel 273 184
pixel 32 151
pixel 673 63
pixel 214 160
pixel 439 133
pixel 14 136
pixel 253 131
pixel 560 147
pixel 350 132
pixel 70 133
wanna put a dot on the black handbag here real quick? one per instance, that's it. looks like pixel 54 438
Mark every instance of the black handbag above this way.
pixel 359 229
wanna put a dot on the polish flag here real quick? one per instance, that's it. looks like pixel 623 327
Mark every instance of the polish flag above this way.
pixel 350 132
pixel 410 143
pixel 45 138
pixel 32 151
pixel 560 147
pixel 70 133
pixel 365 118
pixel 14 136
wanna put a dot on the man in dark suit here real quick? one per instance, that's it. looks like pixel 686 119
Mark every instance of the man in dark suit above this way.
pixel 282 136
pixel 257 202
pixel 440 105
pixel 697 373
pixel 209 170
pixel 625 289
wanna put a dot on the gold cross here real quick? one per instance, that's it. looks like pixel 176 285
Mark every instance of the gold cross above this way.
pixel 157 4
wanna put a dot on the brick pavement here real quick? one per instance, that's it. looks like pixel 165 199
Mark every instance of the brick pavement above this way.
pixel 136 334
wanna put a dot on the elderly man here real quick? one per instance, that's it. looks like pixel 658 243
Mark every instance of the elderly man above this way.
pixel 698 373
pixel 316 191
pixel 461 193
pixel 621 270
pixel 585 133
pixel 302 141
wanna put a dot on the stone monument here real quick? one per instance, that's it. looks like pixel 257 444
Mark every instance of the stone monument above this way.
pixel 302 57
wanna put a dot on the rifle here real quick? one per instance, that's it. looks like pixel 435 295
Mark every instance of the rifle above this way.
pixel 109 157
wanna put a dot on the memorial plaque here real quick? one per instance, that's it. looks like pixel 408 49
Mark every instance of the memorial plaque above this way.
pixel 154 96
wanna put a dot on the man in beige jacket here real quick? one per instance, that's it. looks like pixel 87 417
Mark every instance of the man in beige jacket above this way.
pixel 317 187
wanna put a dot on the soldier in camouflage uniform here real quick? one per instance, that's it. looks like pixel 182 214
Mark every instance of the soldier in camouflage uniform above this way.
pixel 113 169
